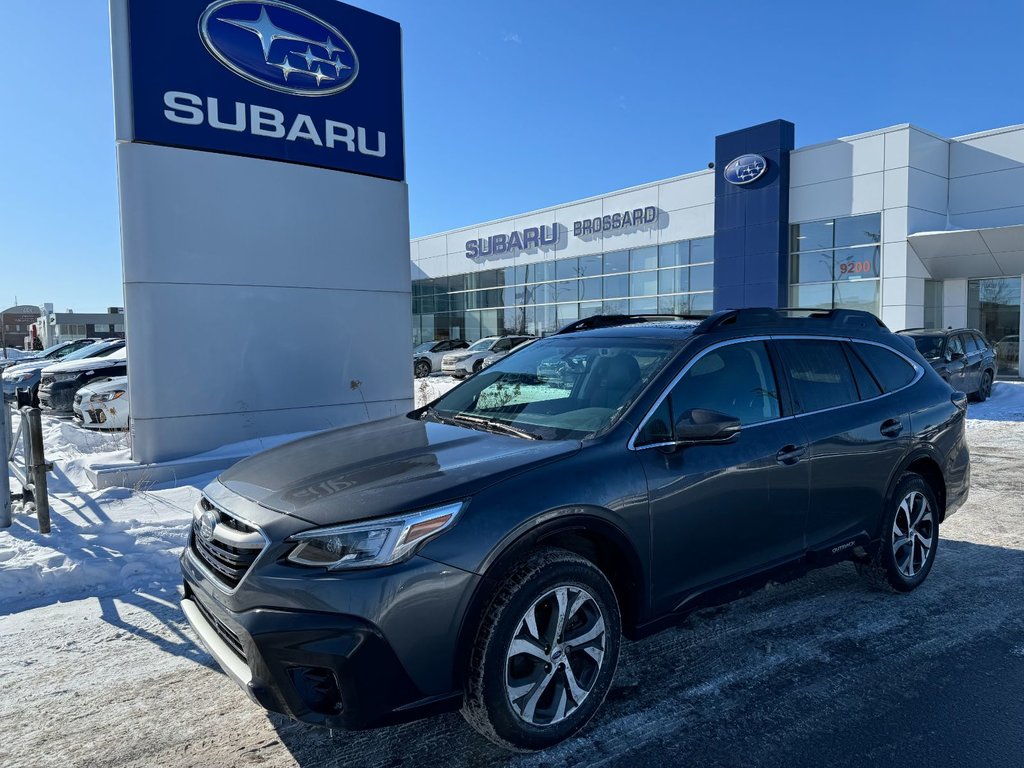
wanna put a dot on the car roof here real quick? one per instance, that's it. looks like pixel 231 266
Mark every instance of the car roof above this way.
pixel 936 331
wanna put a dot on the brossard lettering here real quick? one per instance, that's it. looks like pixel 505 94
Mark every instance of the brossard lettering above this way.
pixel 188 109
pixel 611 222
pixel 495 245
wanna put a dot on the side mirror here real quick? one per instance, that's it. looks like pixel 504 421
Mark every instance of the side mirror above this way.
pixel 700 425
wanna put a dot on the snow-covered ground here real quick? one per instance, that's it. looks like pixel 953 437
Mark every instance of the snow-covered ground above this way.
pixel 97 665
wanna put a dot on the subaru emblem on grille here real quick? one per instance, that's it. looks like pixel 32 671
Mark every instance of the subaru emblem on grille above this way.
pixel 207 523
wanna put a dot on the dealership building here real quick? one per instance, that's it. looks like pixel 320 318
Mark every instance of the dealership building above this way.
pixel 922 230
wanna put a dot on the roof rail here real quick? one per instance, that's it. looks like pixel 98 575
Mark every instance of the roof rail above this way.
pixel 753 316
pixel 922 328
pixel 610 321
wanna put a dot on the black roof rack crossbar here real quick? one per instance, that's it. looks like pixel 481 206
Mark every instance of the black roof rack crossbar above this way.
pixel 610 321
pixel 840 318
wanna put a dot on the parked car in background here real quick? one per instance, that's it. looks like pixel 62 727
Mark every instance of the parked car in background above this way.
pixel 496 356
pixel 103 404
pixel 426 358
pixel 489 550
pixel 471 359
pixel 1008 353
pixel 26 375
pixel 59 383
pixel 963 357
pixel 54 353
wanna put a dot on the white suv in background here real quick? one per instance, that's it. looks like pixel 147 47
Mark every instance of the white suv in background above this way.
pixel 471 360
pixel 426 358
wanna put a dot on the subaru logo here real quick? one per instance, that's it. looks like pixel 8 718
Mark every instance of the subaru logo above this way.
pixel 745 169
pixel 279 46
pixel 207 523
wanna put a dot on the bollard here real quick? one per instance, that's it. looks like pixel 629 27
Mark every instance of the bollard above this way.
pixel 38 467
pixel 5 476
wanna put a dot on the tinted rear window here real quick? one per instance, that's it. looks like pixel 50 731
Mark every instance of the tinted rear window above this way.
pixel 891 371
pixel 819 375
pixel 866 384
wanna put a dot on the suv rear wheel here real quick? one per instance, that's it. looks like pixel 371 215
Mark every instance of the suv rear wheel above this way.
pixel 984 388
pixel 545 653
pixel 910 538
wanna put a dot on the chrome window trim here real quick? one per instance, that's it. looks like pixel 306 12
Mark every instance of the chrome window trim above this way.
pixel 202 566
pixel 918 374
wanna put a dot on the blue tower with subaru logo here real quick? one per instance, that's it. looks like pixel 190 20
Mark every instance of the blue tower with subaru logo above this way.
pixel 752 216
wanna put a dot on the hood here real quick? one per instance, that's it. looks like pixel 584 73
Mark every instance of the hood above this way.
pixel 35 365
pixel 462 354
pixel 88 364
pixel 384 468
pixel 107 385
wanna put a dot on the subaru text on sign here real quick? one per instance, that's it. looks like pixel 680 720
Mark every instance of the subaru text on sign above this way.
pixel 318 84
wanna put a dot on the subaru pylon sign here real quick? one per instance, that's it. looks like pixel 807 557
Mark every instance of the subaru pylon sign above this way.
pixel 318 84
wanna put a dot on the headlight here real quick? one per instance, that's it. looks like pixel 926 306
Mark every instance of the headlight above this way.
pixel 373 543
pixel 106 397
pixel 17 378
pixel 65 376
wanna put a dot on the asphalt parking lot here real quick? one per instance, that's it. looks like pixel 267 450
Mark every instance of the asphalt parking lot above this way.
pixel 813 672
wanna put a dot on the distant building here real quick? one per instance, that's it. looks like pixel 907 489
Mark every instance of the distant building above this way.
pixel 55 327
pixel 15 325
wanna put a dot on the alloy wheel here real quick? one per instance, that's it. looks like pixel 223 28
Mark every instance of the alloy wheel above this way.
pixel 913 534
pixel 555 656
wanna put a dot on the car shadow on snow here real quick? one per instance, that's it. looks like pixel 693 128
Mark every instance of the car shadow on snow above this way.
pixel 787 663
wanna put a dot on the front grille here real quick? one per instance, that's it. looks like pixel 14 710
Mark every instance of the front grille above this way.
pixel 231 549
pixel 46 381
pixel 229 637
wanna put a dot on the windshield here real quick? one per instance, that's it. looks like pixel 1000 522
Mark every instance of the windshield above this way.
pixel 929 346
pixel 555 389
pixel 424 347
pixel 89 350
pixel 480 346
pixel 117 353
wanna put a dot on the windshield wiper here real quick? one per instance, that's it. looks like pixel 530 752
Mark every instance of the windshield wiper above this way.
pixel 494 424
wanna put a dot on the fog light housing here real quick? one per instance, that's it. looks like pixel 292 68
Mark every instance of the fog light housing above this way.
pixel 318 688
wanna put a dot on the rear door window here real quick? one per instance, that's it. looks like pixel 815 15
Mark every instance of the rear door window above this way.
pixel 890 370
pixel 970 343
pixel 819 375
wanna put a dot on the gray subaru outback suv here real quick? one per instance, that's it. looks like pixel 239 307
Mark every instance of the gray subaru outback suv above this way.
pixel 489 551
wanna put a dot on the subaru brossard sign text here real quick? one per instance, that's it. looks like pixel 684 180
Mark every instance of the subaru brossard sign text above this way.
pixel 316 82
pixel 745 169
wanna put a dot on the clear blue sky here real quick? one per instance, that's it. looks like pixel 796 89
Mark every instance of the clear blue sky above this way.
pixel 515 106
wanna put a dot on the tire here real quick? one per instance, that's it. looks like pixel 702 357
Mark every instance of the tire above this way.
pixel 478 366
pixel 894 567
pixel 420 369
pixel 525 700
pixel 985 388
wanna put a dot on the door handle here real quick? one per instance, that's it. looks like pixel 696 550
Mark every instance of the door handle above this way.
pixel 790 454
pixel 891 427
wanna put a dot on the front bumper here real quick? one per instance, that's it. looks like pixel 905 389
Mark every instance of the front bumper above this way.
pixel 59 396
pixel 385 656
pixel 99 415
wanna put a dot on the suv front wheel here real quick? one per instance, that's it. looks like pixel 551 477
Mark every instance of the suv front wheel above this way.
pixel 910 538
pixel 545 653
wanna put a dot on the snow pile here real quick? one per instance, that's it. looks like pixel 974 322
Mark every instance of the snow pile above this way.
pixel 429 388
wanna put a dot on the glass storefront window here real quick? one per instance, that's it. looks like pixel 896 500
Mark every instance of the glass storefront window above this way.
pixel 812 236
pixel 648 306
pixel 854 263
pixel 567 290
pixel 673 280
pixel 933 303
pixel 702 278
pixel 567 313
pixel 590 289
pixel 858 230
pixel 615 286
pixel 811 267
pixel 616 307
pixel 643 258
pixel 701 303
pixel 590 266
pixel 566 268
pixel 702 251
pixel 993 307
pixel 857 294
pixel 588 308
pixel 674 254
pixel 814 296
pixel 674 305
pixel 643 284
pixel 616 262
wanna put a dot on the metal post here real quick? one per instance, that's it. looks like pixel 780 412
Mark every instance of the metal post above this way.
pixel 38 467
pixel 5 476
